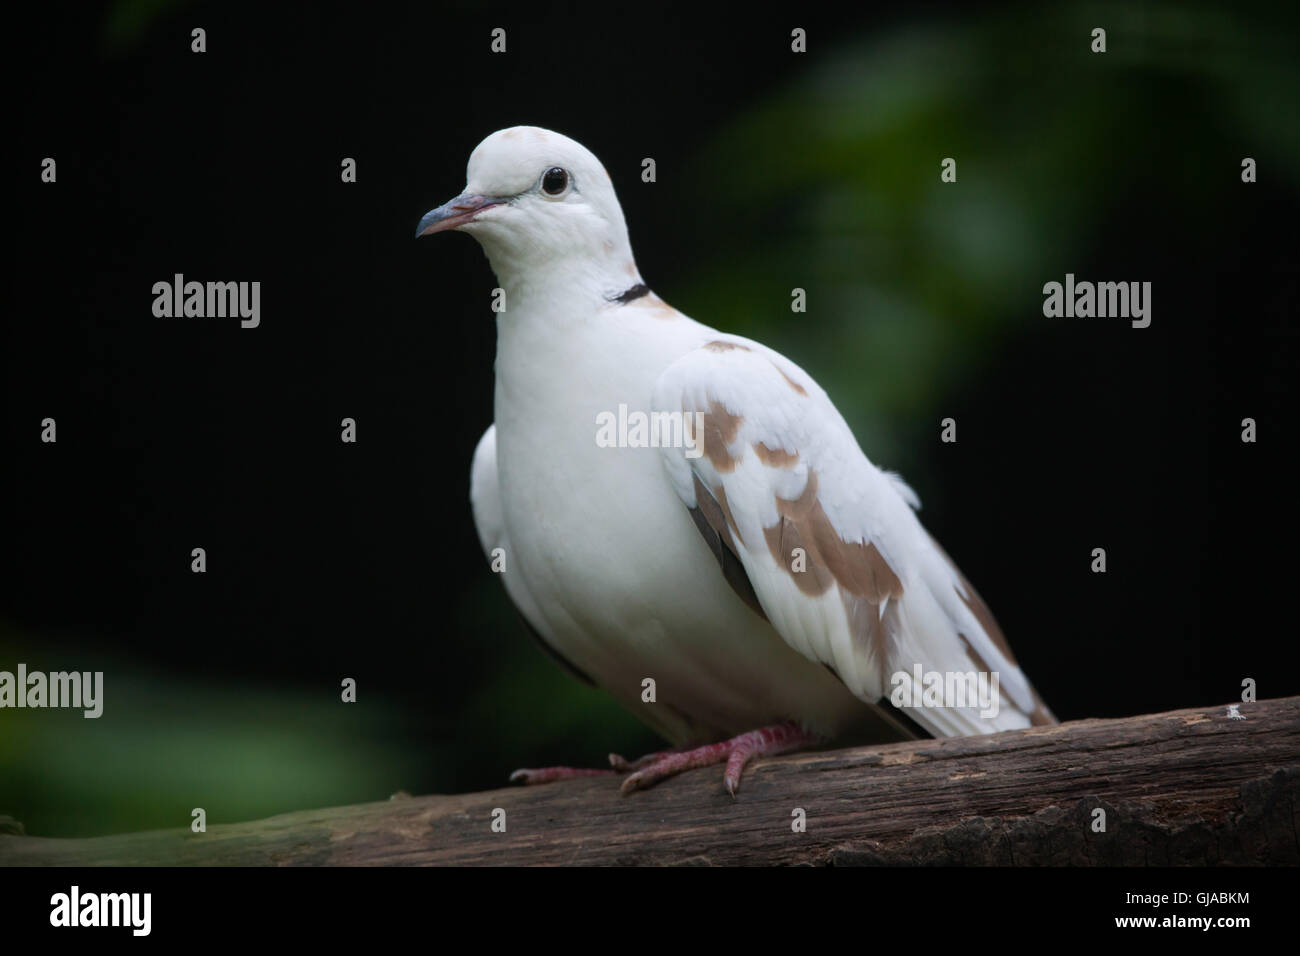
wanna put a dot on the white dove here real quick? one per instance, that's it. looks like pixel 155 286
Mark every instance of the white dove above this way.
pixel 775 586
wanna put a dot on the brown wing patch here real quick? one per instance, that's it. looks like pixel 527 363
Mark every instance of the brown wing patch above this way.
pixel 719 346
pixel 865 578
pixel 776 457
pixel 720 430
pixel 857 567
pixel 794 530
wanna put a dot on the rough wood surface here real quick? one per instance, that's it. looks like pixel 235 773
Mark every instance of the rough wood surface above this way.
pixel 1187 787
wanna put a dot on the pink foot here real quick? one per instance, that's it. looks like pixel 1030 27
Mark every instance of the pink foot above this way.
pixel 551 774
pixel 622 765
pixel 779 738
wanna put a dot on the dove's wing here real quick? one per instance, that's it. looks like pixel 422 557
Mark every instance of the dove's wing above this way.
pixel 489 520
pixel 826 543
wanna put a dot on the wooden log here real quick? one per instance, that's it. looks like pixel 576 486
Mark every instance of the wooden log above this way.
pixel 1190 787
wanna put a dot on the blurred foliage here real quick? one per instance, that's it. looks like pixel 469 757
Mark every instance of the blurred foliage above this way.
pixel 168 742
pixel 912 282
pixel 128 21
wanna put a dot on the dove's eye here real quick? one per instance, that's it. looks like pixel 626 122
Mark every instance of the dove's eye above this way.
pixel 554 181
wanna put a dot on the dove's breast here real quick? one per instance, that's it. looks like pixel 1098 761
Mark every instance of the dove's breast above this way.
pixel 629 589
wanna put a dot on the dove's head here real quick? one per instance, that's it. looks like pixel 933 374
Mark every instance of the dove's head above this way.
pixel 541 205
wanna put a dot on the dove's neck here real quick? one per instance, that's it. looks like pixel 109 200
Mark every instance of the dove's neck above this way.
pixel 553 321
pixel 568 350
pixel 562 289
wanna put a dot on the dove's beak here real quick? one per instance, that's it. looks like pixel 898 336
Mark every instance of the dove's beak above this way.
pixel 454 214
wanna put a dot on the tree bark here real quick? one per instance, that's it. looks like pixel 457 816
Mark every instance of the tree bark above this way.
pixel 1190 787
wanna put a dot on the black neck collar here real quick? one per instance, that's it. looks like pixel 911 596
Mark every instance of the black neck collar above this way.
pixel 631 294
